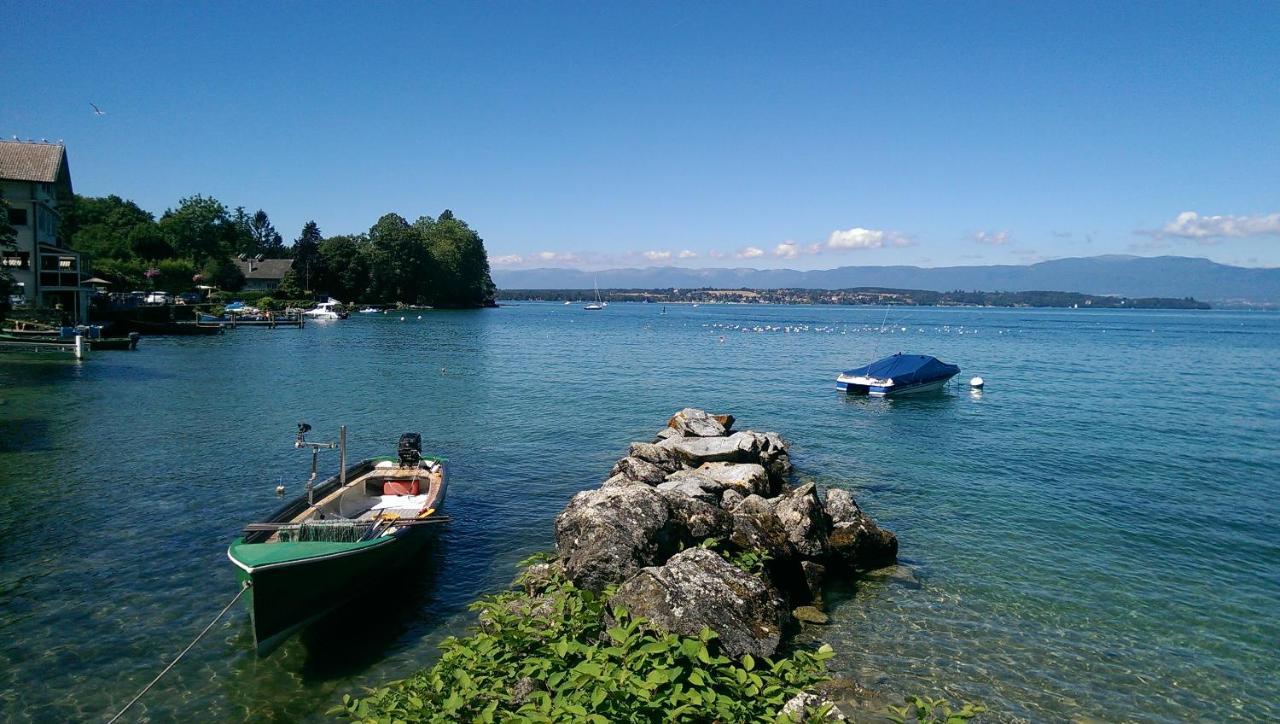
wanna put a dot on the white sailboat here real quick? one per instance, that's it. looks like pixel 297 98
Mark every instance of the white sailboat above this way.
pixel 597 304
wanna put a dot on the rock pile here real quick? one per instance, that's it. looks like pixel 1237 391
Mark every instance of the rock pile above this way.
pixel 699 485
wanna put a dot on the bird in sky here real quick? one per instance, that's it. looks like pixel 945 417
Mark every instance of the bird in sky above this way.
pixel 97 111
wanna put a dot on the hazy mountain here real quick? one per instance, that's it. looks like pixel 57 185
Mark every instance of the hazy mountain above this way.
pixel 1132 276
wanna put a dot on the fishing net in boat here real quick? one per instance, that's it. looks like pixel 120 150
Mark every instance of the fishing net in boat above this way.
pixel 324 531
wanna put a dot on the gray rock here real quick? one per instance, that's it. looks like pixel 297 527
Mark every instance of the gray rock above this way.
pixel 696 423
pixel 747 478
pixel 698 588
pixel 666 433
pixel 693 520
pixel 604 536
pixel 693 485
pixel 862 544
pixel 841 507
pixel 760 530
pixel 662 457
pixel 804 520
pixel 730 499
pixel 755 505
pixel 620 480
pixel 815 575
pixel 637 469
pixel 804 706
pixel 740 447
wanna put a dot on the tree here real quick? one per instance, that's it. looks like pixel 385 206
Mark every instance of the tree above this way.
pixel 460 272
pixel 346 259
pixel 105 228
pixel 223 274
pixel 265 239
pixel 399 261
pixel 306 254
pixel 146 242
pixel 290 287
pixel 8 242
pixel 201 228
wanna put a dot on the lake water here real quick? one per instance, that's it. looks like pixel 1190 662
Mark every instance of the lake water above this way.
pixel 1093 537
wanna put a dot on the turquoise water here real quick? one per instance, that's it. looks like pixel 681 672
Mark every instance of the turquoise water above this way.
pixel 1094 536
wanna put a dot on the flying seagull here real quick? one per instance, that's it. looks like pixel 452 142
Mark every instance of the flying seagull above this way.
pixel 97 111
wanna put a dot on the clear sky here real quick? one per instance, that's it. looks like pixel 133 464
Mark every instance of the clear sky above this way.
pixel 804 135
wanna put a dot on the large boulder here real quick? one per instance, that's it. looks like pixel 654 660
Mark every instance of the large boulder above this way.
pixel 740 447
pixel 692 484
pixel 729 499
pixel 638 469
pixel 604 536
pixel 663 457
pixel 698 588
pixel 756 527
pixel 804 520
pixel 692 422
pixel 855 540
pixel 746 478
pixel 693 520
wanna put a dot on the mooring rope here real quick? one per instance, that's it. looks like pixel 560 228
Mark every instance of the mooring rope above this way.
pixel 173 663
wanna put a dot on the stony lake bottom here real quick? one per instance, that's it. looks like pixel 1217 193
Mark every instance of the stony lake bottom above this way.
pixel 1092 537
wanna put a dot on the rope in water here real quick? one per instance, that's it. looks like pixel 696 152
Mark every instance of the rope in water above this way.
pixel 173 663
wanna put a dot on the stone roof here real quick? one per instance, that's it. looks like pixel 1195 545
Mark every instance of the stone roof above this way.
pixel 265 269
pixel 31 161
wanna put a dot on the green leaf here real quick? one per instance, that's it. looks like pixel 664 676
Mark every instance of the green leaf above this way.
pixel 748 663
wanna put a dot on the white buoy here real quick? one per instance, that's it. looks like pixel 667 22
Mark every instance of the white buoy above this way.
pixel 976 382
pixel 402 319
pixel 419 316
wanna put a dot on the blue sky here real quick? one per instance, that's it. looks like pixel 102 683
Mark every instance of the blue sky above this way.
pixel 804 135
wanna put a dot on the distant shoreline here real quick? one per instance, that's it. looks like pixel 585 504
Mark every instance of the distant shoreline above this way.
pixel 863 296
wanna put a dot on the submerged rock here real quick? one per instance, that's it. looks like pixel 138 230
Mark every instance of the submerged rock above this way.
pixel 698 588
pixel 604 536
pixel 810 614
pixel 693 422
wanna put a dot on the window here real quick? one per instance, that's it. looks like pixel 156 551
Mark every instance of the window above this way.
pixel 16 260
pixel 18 217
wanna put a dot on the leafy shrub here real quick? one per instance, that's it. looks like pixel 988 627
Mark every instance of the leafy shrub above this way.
pixel 933 711
pixel 549 653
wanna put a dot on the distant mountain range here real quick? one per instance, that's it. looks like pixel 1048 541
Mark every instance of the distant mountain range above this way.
pixel 1130 276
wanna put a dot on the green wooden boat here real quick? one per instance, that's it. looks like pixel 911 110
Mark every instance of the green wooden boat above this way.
pixel 345 534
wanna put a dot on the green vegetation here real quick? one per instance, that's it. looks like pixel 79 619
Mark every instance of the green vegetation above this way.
pixel 549 653
pixel 8 242
pixel 439 261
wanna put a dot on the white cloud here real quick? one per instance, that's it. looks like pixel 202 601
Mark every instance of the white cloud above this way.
pixel 787 250
pixel 507 260
pixel 556 256
pixel 686 254
pixel 1205 229
pixel 751 252
pixel 856 238
pixel 991 238
pixel 657 255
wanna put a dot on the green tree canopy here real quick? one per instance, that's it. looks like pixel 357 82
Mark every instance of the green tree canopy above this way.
pixel 201 228
pixel 105 227
pixel 264 237
pixel 306 255
pixel 346 261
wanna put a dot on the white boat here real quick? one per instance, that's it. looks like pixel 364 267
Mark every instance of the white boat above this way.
pixel 597 304
pixel 368 310
pixel 325 310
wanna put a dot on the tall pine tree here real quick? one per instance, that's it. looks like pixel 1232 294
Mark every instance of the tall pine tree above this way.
pixel 306 255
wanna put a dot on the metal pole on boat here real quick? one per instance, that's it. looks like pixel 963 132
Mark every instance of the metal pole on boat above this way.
pixel 342 454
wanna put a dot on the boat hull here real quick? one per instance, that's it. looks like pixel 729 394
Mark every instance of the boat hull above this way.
pixel 895 390
pixel 285 597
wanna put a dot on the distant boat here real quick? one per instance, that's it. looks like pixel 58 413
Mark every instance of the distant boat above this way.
pixel 664 309
pixel 567 302
pixel 326 310
pixel 368 310
pixel 597 304
pixel 341 537
pixel 900 374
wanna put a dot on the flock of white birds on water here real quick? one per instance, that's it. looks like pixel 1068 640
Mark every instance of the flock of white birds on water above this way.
pixel 838 329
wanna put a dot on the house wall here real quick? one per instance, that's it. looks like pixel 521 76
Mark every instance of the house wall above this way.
pixel 43 275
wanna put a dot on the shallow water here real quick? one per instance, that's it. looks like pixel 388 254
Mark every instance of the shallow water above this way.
pixel 1094 536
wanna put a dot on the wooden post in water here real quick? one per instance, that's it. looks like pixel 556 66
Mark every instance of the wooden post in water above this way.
pixel 80 347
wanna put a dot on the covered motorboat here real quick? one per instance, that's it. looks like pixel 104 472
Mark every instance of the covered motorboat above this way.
pixel 901 374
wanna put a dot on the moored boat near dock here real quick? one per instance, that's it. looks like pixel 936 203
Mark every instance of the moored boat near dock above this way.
pixel 344 534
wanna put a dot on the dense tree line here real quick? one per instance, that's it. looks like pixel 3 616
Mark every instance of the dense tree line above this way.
pixel 439 261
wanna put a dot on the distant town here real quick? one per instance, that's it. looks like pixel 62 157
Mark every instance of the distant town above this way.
pixel 858 296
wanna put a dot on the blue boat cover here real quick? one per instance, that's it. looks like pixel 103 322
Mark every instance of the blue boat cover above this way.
pixel 906 369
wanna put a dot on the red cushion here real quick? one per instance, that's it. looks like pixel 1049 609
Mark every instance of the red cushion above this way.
pixel 400 487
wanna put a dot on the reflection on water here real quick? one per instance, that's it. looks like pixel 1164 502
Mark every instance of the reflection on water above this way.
pixel 1081 539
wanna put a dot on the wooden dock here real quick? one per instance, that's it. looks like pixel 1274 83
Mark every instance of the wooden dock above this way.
pixel 78 347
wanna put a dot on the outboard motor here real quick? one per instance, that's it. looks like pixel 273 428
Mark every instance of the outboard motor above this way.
pixel 410 449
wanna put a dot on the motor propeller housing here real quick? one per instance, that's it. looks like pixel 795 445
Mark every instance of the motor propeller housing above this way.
pixel 410 449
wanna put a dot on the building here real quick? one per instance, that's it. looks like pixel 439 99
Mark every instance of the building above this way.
pixel 35 181
pixel 262 275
